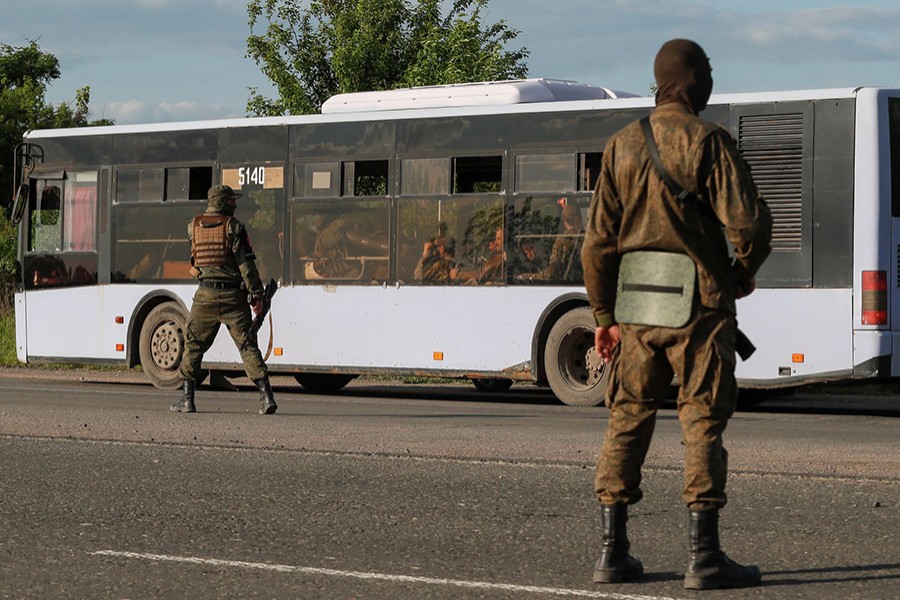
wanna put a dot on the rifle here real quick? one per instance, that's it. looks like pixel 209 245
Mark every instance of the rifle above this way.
pixel 268 294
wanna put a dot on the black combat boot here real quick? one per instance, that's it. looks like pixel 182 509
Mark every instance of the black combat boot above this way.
pixel 268 406
pixel 186 404
pixel 615 564
pixel 709 567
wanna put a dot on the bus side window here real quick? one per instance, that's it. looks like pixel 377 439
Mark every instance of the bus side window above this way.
pixel 340 240
pixel 80 212
pixel 588 170
pixel 477 174
pixel 547 236
pixel 365 178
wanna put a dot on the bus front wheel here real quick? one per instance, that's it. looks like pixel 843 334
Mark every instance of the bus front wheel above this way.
pixel 574 371
pixel 162 345
pixel 323 383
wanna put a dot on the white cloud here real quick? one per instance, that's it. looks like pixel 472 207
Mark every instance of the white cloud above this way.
pixel 138 111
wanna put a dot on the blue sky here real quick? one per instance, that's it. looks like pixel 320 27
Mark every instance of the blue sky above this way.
pixel 176 60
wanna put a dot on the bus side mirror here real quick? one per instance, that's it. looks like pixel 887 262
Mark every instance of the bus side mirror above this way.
pixel 18 210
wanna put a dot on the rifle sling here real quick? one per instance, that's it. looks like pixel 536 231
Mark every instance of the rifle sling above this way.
pixel 679 192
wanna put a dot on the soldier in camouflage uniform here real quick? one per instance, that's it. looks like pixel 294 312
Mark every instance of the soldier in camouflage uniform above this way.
pixel 224 263
pixel 564 254
pixel 633 210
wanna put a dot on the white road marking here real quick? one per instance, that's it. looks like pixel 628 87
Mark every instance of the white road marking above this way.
pixel 482 585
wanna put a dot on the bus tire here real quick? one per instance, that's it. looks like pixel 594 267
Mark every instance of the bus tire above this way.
pixel 323 383
pixel 492 385
pixel 574 371
pixel 162 345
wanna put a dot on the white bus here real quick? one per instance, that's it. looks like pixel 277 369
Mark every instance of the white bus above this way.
pixel 436 231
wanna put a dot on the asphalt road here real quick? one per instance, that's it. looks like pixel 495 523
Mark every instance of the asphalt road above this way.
pixel 390 491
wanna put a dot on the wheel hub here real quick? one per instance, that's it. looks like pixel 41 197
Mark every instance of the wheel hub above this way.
pixel 594 366
pixel 579 359
pixel 165 345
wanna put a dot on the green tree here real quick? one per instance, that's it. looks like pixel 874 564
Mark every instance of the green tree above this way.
pixel 341 46
pixel 25 74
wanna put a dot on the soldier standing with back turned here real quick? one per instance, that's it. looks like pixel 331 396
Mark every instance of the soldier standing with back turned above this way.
pixel 663 289
pixel 224 263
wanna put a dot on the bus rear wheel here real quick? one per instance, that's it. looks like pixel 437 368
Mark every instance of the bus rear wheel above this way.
pixel 492 385
pixel 574 371
pixel 323 383
pixel 162 345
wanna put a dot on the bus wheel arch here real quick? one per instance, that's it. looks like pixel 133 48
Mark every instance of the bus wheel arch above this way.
pixel 552 313
pixel 571 365
pixel 159 327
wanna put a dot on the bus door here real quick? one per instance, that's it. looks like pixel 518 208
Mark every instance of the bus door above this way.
pixel 60 229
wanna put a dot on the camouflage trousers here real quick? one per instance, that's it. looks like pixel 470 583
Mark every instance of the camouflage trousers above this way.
pixel 211 308
pixel 702 356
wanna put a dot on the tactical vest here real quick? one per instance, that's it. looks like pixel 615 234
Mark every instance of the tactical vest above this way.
pixel 210 240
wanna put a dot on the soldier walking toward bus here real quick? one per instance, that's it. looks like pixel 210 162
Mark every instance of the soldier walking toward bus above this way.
pixel 224 263
pixel 662 288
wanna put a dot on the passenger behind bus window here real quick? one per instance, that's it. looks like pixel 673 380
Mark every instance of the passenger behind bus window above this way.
pixel 438 262
pixel 564 263
pixel 529 259
pixel 331 252
pixel 491 269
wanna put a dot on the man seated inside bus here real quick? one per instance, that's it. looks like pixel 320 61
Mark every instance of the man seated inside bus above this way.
pixel 564 263
pixel 529 259
pixel 438 263
pixel 331 251
pixel 491 269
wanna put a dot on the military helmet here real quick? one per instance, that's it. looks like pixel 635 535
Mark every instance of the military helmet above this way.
pixel 219 194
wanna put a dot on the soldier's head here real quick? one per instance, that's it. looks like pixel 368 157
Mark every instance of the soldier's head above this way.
pixel 683 75
pixel 222 199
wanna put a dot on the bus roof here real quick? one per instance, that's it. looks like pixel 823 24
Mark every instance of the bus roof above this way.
pixel 529 103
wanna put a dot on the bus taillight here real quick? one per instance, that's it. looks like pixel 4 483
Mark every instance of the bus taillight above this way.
pixel 874 298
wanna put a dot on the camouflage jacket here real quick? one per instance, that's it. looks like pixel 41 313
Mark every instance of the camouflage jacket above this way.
pixel 245 259
pixel 632 209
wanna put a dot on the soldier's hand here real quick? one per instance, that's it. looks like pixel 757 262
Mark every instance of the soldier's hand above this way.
pixel 605 340
pixel 256 306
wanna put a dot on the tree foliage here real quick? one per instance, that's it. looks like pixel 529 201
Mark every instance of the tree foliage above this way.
pixel 25 74
pixel 341 46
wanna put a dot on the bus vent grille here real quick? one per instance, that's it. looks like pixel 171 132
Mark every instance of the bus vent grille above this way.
pixel 772 145
pixel 898 266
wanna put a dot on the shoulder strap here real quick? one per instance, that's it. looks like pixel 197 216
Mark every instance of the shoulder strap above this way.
pixel 678 191
pixel 673 186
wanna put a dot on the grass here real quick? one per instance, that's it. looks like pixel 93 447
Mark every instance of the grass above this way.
pixel 8 348
pixel 8 339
